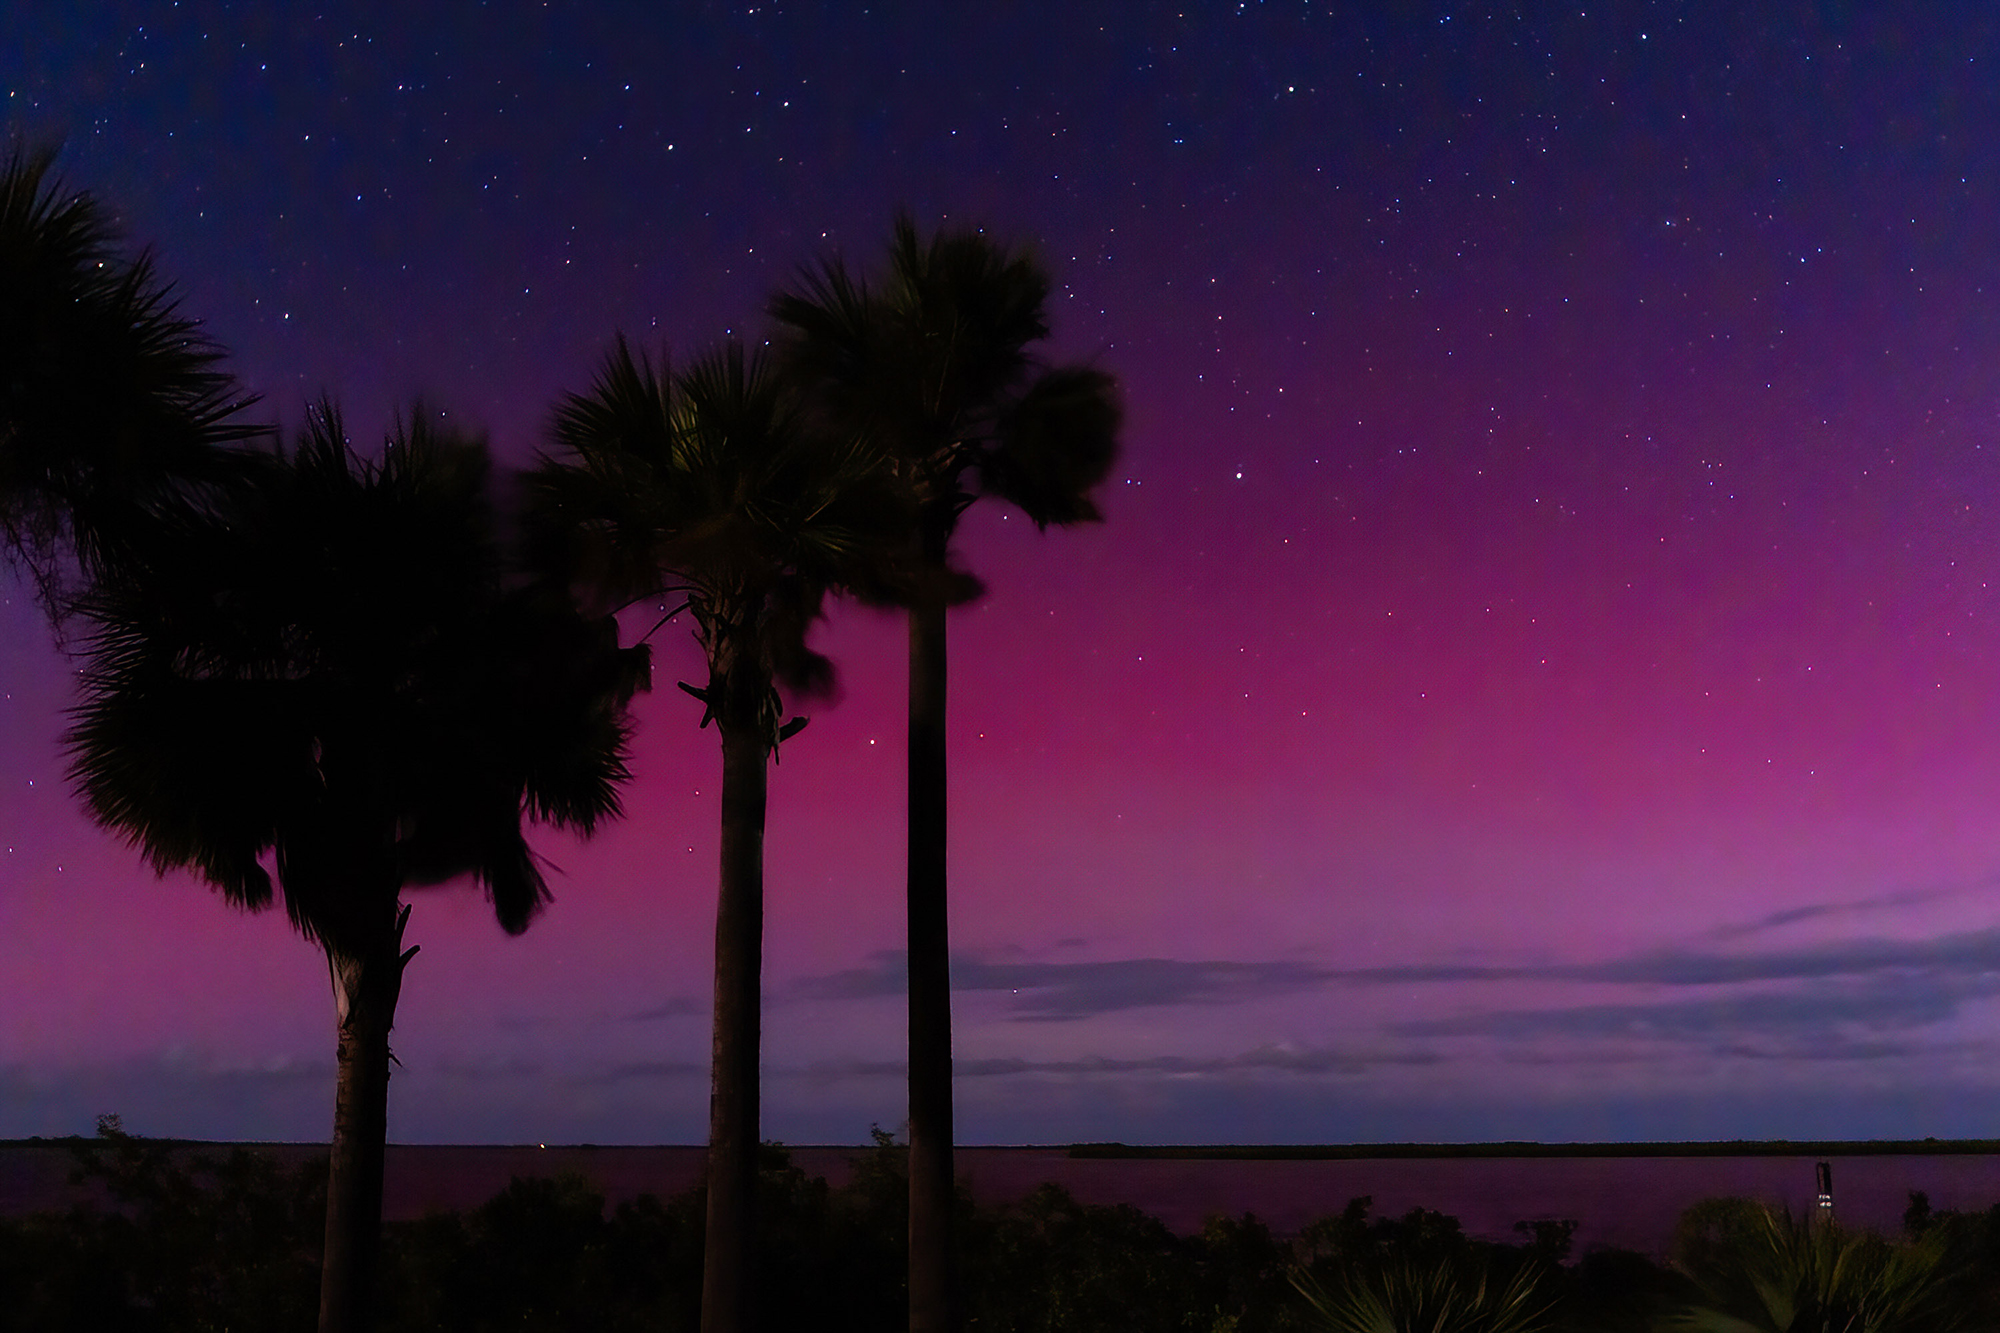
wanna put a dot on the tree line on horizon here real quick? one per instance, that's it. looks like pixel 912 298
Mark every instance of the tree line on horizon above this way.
pixel 317 675
pixel 196 1240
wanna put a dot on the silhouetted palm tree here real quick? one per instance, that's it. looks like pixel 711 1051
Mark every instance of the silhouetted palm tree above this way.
pixel 109 398
pixel 333 667
pixel 710 487
pixel 933 365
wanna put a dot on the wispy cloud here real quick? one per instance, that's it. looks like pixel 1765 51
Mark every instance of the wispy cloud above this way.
pixel 1284 1059
pixel 489 1067
pixel 1946 965
pixel 640 1071
pixel 1083 989
pixel 679 1006
pixel 1966 952
pixel 178 1092
pixel 1812 1019
pixel 1897 901
pixel 1812 1012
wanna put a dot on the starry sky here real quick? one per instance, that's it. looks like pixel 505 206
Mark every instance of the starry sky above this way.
pixel 1536 678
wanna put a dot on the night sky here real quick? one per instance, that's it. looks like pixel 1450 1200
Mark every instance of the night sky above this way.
pixel 1537 677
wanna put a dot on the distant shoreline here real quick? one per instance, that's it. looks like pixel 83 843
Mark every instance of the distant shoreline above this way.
pixel 1699 1148
pixel 1623 1195
pixel 1262 1152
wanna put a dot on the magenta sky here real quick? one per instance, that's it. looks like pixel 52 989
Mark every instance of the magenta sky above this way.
pixel 1537 679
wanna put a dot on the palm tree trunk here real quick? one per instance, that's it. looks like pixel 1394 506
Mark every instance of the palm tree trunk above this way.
pixel 726 1291
pixel 367 982
pixel 933 1293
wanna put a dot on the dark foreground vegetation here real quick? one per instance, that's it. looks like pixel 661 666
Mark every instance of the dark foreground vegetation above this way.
pixel 187 1242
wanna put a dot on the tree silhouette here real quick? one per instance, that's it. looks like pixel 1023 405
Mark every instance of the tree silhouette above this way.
pixel 334 668
pixel 933 365
pixel 111 398
pixel 710 486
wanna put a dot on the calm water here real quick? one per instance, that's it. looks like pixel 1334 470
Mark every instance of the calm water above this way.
pixel 1624 1201
pixel 1632 1202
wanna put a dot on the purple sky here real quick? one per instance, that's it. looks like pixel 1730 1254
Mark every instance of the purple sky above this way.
pixel 1537 678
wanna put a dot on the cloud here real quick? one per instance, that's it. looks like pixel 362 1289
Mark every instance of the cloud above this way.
pixel 1966 952
pixel 177 1093
pixel 1851 1000
pixel 1870 1019
pixel 1058 991
pixel 1856 1000
pixel 679 1006
pixel 1277 1058
pixel 489 1067
pixel 640 1071
pixel 1283 1059
pixel 1885 902
pixel 181 1063
pixel 1079 990
pixel 883 974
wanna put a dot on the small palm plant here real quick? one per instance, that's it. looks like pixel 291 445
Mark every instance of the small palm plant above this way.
pixel 1451 1295
pixel 1761 1270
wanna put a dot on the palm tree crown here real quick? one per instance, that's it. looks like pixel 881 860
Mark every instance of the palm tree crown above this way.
pixel 934 365
pixel 337 672
pixel 711 486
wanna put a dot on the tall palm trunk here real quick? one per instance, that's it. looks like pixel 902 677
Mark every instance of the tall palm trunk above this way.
pixel 726 1291
pixel 933 1291
pixel 367 982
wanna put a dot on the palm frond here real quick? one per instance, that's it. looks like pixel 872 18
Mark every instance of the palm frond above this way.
pixel 829 330
pixel 1056 443
pixel 971 305
pixel 191 772
pixel 1447 1296
pixel 113 398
